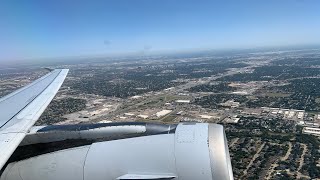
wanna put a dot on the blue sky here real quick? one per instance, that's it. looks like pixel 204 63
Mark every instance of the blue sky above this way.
pixel 59 28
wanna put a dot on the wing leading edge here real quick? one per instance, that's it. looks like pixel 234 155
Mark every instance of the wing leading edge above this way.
pixel 22 108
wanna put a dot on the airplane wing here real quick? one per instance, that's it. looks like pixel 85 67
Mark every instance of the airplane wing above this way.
pixel 22 108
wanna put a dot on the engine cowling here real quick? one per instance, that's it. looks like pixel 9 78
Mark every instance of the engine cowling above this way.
pixel 192 151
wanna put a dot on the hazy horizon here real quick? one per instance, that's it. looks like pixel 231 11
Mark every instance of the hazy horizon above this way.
pixel 57 29
pixel 52 61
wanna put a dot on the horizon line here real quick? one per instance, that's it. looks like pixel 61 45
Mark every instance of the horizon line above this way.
pixel 147 53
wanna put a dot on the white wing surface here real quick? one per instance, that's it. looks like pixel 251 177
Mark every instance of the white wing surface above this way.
pixel 22 108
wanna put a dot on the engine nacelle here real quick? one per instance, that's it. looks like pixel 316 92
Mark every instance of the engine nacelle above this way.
pixel 192 151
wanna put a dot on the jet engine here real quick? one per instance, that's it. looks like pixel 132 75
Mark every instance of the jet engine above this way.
pixel 109 151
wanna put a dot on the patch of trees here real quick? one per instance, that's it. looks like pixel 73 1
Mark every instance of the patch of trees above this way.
pixel 291 102
pixel 305 86
pixel 58 108
pixel 122 89
pixel 216 88
pixel 213 101
pixel 312 156
pixel 304 94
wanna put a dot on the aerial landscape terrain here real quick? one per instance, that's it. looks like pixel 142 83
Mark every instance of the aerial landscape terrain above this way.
pixel 161 89
pixel 267 100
